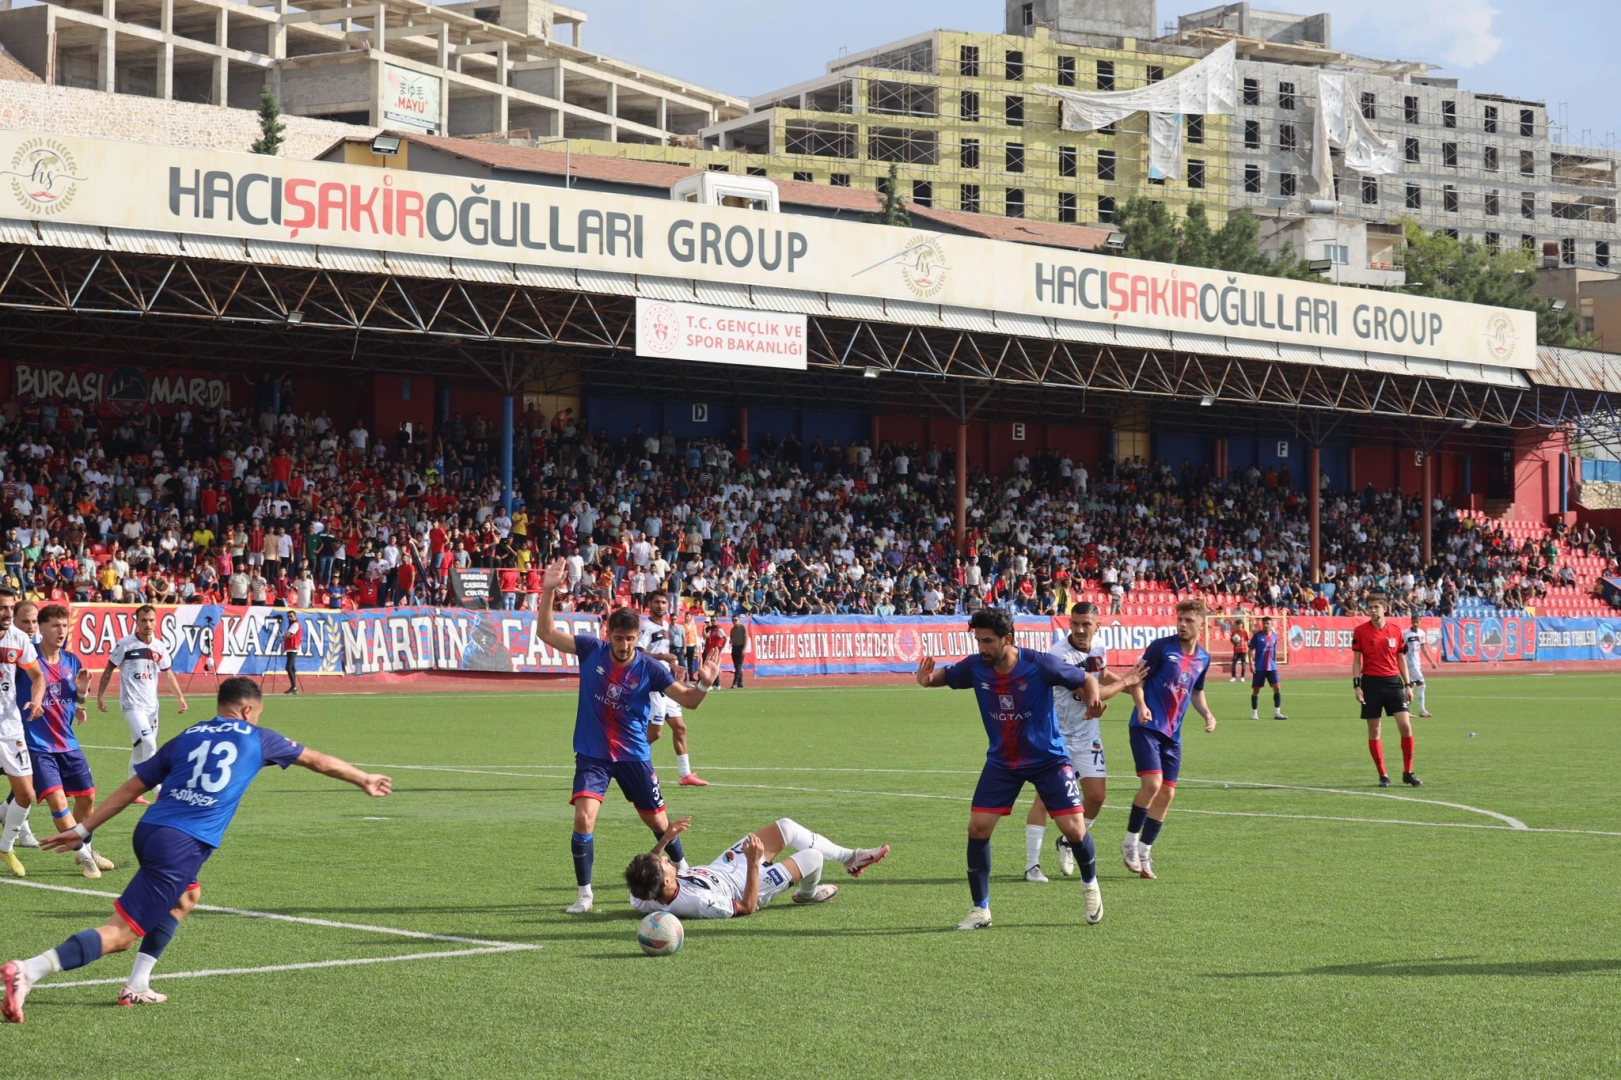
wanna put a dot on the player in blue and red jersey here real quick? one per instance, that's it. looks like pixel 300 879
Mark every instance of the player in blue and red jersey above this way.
pixel 1014 687
pixel 617 684
pixel 1264 648
pixel 1172 671
pixel 60 769
pixel 204 772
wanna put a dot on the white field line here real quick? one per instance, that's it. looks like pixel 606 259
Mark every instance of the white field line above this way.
pixel 273 968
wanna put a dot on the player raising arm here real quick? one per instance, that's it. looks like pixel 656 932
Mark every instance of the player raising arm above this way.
pixel 203 772
pixel 1380 689
pixel 744 879
pixel 1415 644
pixel 617 684
pixel 1172 671
pixel 1014 688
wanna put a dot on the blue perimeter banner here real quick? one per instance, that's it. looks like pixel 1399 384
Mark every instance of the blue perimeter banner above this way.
pixel 1490 639
pixel 1578 639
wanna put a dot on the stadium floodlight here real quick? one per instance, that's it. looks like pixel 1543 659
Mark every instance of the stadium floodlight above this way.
pixel 1321 266
pixel 1208 400
pixel 1469 423
pixel 294 318
pixel 1116 241
pixel 870 372
pixel 1558 305
pixel 386 145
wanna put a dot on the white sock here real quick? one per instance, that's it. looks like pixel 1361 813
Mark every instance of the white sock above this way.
pixel 46 963
pixel 27 831
pixel 140 977
pixel 85 855
pixel 799 838
pixel 15 816
pixel 683 764
pixel 1034 837
pixel 809 862
pixel 1090 822
pixel 1144 849
pixel 1421 707
pixel 585 892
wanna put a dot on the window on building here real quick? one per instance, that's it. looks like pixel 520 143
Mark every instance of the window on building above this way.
pixel 1567 252
pixel 1528 123
pixel 1286 184
pixel 1494 242
pixel 1370 105
pixel 1195 129
pixel 1108 129
pixel 1529 243
pixel 1449 199
pixel 1451 234
pixel 1601 252
pixel 720 168
pixel 883 185
pixel 1370 191
pixel 1528 204
pixel 1449 114
pixel 755 170
pixel 1409 109
pixel 968 61
pixel 1449 155
pixel 1489 158
pixel 1528 163
pixel 1106 163
pixel 1014 68
pixel 1491 119
pixel 1105 74
pixel 969 156
pixel 1014 158
pixel 1068 161
pixel 922 192
pixel 969 106
pixel 1415 197
pixel 839 179
pixel 1252 134
pixel 804 177
pixel 1028 14
pixel 969 200
pixel 1252 179
pixel 1195 174
pixel 1286 95
pixel 1412 149
pixel 1105 208
pixel 1155 74
pixel 1286 137
pixel 1337 253
pixel 1015 110
pixel 1067 210
pixel 1066 71
pixel 1015 202
pixel 1493 205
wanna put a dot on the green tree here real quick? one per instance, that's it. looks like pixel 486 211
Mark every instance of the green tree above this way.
pixel 1465 270
pixel 271 125
pixel 1153 233
pixel 893 212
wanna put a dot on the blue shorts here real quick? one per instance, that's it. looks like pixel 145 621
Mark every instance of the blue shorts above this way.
pixel 1055 782
pixel 170 861
pixel 635 778
pixel 67 772
pixel 1262 677
pixel 1156 754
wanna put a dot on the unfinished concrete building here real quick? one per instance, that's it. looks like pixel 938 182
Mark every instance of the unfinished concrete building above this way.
pixel 476 68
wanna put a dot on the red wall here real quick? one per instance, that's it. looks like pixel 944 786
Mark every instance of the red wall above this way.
pixel 1536 475
pixel 390 408
pixel 991 445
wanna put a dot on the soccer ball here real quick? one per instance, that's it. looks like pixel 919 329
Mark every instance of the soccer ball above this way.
pixel 660 934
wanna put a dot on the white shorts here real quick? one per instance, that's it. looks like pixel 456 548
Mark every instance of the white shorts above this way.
pixel 1415 674
pixel 141 724
pixel 14 759
pixel 663 708
pixel 1084 742
pixel 733 867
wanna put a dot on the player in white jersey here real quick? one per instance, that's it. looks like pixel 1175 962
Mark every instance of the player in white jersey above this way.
pixel 1415 648
pixel 16 653
pixel 656 641
pixel 140 656
pixel 744 879
pixel 1083 737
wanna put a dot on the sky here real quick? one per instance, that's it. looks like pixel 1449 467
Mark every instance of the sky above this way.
pixel 1508 47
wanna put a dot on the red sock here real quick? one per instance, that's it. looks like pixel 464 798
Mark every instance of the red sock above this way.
pixel 1377 749
pixel 1407 754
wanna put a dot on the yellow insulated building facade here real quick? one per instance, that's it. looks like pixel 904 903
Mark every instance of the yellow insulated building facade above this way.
pixel 960 116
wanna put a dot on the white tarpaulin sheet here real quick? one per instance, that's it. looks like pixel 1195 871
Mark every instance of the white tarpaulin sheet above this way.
pixel 1165 146
pixel 1208 88
pixel 1340 125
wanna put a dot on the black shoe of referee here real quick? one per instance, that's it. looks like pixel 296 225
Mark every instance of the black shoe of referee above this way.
pixel 1411 780
pixel 1384 781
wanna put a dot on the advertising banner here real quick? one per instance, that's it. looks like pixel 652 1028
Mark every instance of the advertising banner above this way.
pixel 1578 639
pixel 450 639
pixel 472 588
pixel 412 99
pixel 257 198
pixel 1488 639
pixel 211 637
pixel 666 329
pixel 119 391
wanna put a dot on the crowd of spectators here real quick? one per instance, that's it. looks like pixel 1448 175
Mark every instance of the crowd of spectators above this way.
pixel 272 504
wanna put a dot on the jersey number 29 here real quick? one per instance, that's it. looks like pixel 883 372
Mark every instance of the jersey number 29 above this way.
pixel 225 753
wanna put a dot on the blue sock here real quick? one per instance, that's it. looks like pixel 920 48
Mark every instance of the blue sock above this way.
pixel 676 853
pixel 584 850
pixel 1151 830
pixel 80 949
pixel 1086 854
pixel 1134 823
pixel 158 937
pixel 979 871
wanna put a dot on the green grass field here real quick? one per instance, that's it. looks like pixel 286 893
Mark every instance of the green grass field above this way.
pixel 1312 928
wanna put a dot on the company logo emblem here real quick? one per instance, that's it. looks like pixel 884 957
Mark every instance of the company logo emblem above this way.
pixel 660 331
pixel 908 645
pixel 1501 339
pixel 44 176
pixel 1005 701
pixel 923 266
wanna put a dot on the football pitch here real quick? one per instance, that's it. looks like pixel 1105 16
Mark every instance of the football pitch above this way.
pixel 1303 924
